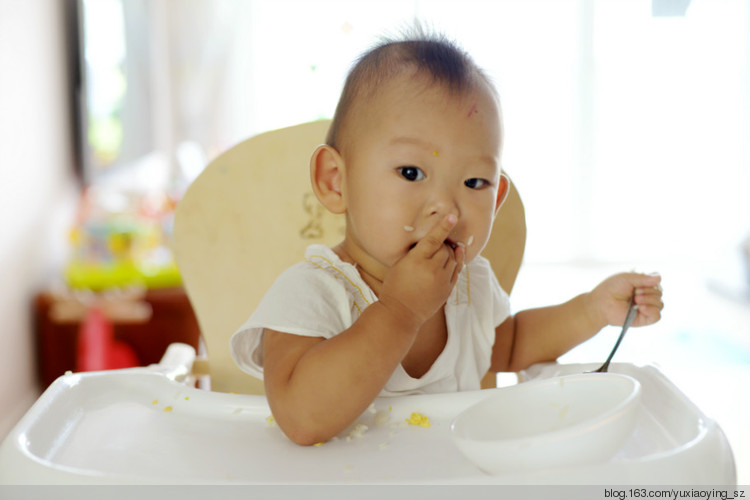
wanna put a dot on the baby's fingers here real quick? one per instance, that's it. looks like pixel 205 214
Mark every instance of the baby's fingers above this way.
pixel 643 282
pixel 647 315
pixel 435 239
pixel 650 305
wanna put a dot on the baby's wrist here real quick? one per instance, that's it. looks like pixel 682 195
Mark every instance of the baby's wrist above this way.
pixel 403 316
pixel 593 312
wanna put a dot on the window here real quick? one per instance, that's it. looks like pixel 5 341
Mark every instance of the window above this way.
pixel 627 130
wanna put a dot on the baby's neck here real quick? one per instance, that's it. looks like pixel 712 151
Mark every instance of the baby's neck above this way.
pixel 372 281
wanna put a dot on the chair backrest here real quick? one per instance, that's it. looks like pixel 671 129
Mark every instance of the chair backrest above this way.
pixel 251 213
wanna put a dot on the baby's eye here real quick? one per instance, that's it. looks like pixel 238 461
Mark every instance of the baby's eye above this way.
pixel 476 183
pixel 411 173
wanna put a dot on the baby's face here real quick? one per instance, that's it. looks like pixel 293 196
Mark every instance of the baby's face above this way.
pixel 418 153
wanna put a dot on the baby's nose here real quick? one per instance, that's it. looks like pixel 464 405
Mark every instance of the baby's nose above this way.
pixel 442 203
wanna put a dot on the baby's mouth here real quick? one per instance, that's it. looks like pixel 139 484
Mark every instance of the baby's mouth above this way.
pixel 452 244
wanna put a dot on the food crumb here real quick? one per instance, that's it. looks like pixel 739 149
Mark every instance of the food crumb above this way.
pixel 563 412
pixel 155 402
pixel 381 418
pixel 418 419
pixel 270 419
pixel 319 444
pixel 187 398
pixel 357 432
pixel 167 408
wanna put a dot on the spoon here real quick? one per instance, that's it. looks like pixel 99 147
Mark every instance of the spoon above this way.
pixel 632 313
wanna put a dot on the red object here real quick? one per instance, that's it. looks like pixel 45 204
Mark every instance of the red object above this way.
pixel 172 320
pixel 97 347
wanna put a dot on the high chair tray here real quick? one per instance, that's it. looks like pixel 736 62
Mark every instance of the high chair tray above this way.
pixel 138 426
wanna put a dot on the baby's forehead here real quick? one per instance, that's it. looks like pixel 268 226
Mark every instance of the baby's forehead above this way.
pixel 414 111
pixel 405 86
pixel 410 78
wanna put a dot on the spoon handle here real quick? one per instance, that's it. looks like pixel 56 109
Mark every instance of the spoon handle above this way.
pixel 629 318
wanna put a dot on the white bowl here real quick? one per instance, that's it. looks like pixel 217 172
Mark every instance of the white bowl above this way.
pixel 560 421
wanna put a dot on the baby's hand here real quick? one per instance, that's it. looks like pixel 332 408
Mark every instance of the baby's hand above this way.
pixel 611 298
pixel 422 280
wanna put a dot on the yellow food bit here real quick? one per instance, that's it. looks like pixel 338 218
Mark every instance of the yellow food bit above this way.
pixel 418 419
pixel 319 444
pixel 155 402
pixel 187 398
pixel 269 419
pixel 168 408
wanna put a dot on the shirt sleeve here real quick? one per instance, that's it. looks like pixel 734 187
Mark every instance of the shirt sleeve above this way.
pixel 302 301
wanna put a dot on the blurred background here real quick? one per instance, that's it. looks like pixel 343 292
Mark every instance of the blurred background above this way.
pixel 627 134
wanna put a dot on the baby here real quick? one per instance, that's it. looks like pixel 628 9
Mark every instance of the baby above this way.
pixel 405 304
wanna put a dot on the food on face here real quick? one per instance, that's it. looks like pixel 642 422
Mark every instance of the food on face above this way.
pixel 408 229
pixel 467 244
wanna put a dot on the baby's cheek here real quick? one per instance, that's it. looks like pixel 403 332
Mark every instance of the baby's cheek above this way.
pixel 477 245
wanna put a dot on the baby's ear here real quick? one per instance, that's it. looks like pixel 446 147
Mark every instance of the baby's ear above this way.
pixel 503 188
pixel 326 176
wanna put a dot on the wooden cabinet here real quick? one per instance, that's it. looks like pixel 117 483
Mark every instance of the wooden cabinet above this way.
pixel 171 320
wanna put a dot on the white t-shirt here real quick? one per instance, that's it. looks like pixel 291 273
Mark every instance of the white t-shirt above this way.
pixel 323 295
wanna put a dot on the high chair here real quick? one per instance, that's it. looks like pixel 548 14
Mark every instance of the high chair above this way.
pixel 251 214
pixel 247 217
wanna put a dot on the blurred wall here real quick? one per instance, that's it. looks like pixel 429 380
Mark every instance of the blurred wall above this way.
pixel 37 183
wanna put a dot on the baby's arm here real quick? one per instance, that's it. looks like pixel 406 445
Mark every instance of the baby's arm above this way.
pixel 316 387
pixel 544 334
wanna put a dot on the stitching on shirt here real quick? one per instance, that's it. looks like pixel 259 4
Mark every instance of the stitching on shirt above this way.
pixel 343 275
pixel 468 289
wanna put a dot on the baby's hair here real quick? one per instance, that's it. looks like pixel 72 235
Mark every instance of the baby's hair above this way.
pixel 430 54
